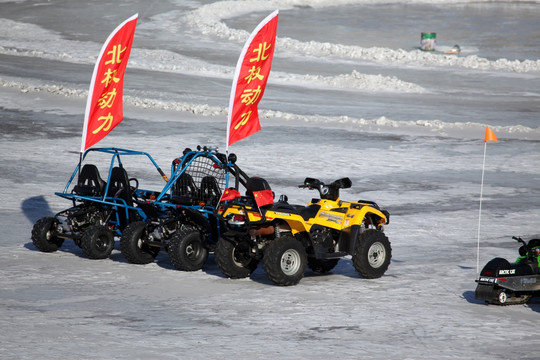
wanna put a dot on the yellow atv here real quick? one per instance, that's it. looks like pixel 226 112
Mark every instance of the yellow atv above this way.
pixel 288 238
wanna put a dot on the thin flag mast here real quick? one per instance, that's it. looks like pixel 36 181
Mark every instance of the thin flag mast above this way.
pixel 489 136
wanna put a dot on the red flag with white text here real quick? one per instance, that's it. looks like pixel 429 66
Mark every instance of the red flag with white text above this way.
pixel 251 75
pixel 104 107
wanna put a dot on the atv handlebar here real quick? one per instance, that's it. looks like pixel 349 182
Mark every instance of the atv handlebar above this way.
pixel 331 191
pixel 525 246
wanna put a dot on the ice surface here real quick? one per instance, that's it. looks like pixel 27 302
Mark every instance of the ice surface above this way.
pixel 350 95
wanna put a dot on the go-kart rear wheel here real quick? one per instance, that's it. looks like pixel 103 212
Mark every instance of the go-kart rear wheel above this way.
pixel 285 261
pixel 97 242
pixel 372 254
pixel 133 247
pixel 42 235
pixel 186 250
pixel 234 260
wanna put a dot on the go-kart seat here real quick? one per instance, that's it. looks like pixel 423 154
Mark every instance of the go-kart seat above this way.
pixel 119 185
pixel 119 189
pixel 185 186
pixel 210 192
pixel 90 182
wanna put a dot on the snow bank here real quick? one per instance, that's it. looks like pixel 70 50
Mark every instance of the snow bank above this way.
pixel 209 18
pixel 378 123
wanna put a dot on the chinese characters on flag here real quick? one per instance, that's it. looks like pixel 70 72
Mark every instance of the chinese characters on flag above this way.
pixel 104 108
pixel 250 79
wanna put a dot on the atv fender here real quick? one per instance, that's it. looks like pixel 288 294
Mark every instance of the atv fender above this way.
pixel 376 217
pixel 347 238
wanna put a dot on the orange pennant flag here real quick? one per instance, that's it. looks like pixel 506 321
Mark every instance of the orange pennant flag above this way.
pixel 490 135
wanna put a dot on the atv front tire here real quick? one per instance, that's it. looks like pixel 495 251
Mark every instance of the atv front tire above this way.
pixel 97 242
pixel 234 260
pixel 372 254
pixel 186 250
pixel 133 247
pixel 285 261
pixel 42 235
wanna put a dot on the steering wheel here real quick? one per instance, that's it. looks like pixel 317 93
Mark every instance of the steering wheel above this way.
pixel 133 188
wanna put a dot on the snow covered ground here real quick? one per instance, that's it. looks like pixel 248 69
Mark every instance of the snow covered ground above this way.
pixel 351 95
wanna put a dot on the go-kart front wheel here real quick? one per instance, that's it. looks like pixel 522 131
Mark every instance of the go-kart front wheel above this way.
pixel 97 242
pixel 186 250
pixel 133 247
pixel 42 235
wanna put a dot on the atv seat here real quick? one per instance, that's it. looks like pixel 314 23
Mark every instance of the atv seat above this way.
pixel 306 212
pixel 309 211
pixel 210 192
pixel 90 182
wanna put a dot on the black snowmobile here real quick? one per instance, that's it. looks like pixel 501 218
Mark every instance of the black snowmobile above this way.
pixel 505 283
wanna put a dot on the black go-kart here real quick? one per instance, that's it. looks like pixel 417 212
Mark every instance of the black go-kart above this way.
pixel 504 283
pixel 101 207
pixel 181 219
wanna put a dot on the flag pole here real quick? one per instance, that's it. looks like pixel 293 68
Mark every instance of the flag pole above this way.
pixel 480 211
pixel 489 136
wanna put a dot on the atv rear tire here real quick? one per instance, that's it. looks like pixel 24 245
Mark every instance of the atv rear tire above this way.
pixel 186 250
pixel 372 254
pixel 97 242
pixel 133 247
pixel 285 261
pixel 322 266
pixel 234 260
pixel 42 235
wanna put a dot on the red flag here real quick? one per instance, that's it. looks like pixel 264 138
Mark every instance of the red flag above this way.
pixel 263 197
pixel 104 109
pixel 490 135
pixel 251 75
pixel 230 194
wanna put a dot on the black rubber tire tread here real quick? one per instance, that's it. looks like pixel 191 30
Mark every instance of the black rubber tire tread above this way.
pixel 360 255
pixel 229 264
pixel 130 248
pixel 322 266
pixel 180 245
pixel 273 254
pixel 41 237
pixel 97 242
